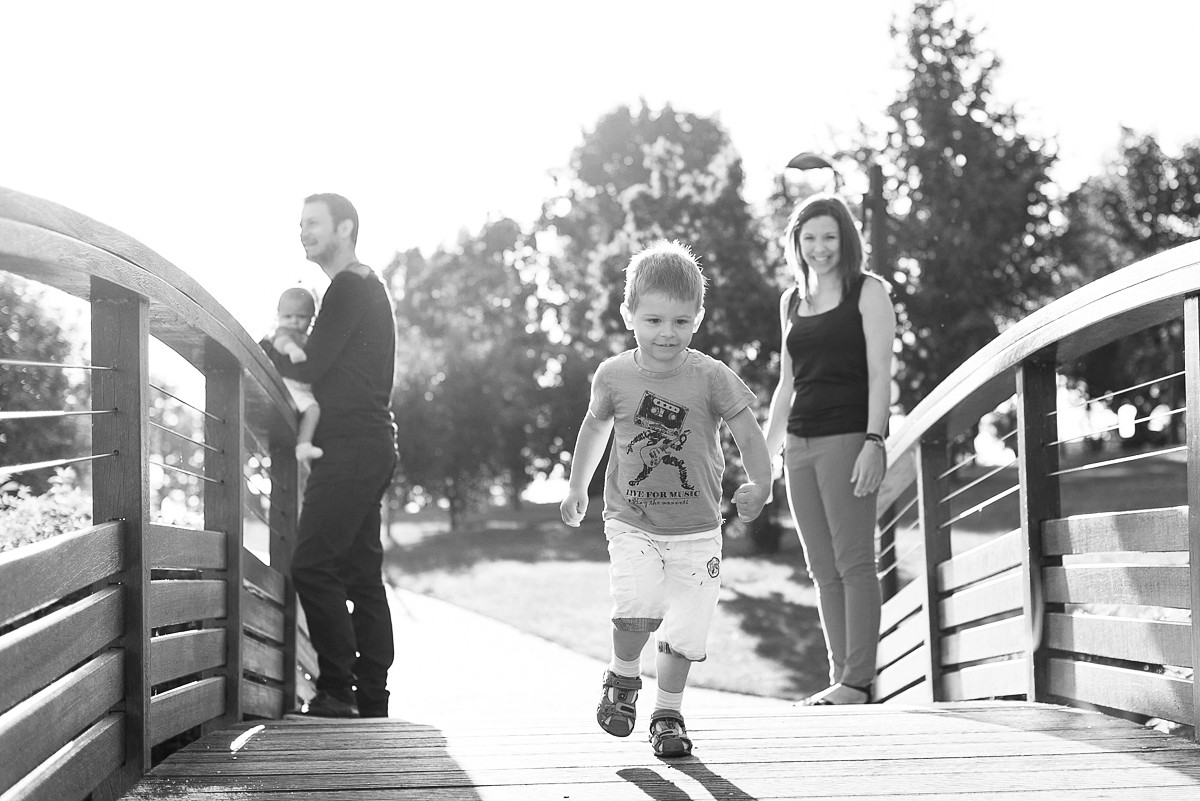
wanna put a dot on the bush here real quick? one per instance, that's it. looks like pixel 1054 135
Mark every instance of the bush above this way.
pixel 27 518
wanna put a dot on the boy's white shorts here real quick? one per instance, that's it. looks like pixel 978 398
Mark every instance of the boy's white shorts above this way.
pixel 668 586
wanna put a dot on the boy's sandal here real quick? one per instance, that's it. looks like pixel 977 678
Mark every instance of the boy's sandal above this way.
pixel 617 711
pixel 822 698
pixel 668 735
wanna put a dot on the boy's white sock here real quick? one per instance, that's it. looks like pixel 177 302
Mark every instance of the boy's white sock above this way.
pixel 625 668
pixel 666 700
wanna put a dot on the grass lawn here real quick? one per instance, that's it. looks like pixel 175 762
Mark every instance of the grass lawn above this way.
pixel 529 570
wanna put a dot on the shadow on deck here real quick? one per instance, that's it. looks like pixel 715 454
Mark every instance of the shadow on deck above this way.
pixel 980 750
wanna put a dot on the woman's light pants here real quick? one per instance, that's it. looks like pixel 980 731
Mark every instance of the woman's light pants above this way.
pixel 837 531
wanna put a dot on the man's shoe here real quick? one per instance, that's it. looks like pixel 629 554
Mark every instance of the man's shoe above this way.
pixel 324 705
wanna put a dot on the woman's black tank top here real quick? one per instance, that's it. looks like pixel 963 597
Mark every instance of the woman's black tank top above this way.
pixel 829 368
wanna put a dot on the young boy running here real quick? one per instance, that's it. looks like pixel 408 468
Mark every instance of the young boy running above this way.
pixel 662 491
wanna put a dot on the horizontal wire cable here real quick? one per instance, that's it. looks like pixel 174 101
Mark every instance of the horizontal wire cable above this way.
pixel 55 365
pixel 1135 457
pixel 193 474
pixel 52 414
pixel 1107 396
pixel 17 469
pixel 185 437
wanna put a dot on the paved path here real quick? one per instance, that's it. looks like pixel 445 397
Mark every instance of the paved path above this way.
pixel 452 663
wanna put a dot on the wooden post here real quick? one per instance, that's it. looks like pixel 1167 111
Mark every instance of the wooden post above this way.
pixel 121 491
pixel 223 502
pixel 1191 357
pixel 1037 425
pixel 933 459
pixel 284 517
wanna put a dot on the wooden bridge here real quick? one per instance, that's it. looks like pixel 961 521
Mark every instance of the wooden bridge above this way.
pixel 1014 664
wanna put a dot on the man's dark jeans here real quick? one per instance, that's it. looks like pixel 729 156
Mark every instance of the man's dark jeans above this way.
pixel 339 558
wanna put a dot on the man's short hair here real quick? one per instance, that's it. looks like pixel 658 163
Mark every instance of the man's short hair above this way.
pixel 666 267
pixel 340 209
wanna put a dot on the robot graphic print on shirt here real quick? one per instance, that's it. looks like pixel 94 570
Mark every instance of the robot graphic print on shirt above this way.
pixel 663 436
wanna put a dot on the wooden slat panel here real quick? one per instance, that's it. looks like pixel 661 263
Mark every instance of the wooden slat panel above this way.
pixel 262 659
pixel 904 638
pixel 1145 530
pixel 981 562
pixel 37 574
pixel 267 581
pixel 991 680
pixel 262 618
pixel 34 729
pixel 74 771
pixel 261 700
pixel 900 674
pixel 992 597
pixel 990 640
pixel 1144 585
pixel 1157 642
pixel 174 602
pixel 185 548
pixel 901 605
pixel 916 694
pixel 1150 694
pixel 180 709
pixel 40 652
pixel 184 653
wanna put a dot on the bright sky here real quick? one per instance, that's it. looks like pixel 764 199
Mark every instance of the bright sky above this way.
pixel 198 128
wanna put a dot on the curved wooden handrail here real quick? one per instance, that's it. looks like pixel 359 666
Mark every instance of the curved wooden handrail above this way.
pixel 56 246
pixel 1141 295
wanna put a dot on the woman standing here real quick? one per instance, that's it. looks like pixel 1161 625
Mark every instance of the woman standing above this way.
pixel 832 405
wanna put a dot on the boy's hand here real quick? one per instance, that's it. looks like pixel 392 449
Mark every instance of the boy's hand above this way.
pixel 750 499
pixel 306 452
pixel 574 507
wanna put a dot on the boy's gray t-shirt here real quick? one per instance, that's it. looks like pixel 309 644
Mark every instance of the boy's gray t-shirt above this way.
pixel 665 465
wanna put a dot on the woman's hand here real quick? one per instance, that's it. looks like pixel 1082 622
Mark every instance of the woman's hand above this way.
pixel 869 469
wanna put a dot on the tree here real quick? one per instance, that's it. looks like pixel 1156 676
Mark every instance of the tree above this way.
pixel 472 363
pixel 1145 202
pixel 654 175
pixel 971 229
pixel 31 334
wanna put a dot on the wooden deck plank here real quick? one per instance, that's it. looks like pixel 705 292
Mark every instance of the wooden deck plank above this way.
pixel 1004 750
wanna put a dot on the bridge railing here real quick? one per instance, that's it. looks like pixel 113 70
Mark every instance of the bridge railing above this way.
pixel 119 637
pixel 1045 575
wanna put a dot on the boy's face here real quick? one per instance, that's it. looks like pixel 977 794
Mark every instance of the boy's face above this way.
pixel 295 314
pixel 663 327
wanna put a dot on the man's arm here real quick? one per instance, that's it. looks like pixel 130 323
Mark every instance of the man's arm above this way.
pixel 589 449
pixel 754 494
pixel 340 316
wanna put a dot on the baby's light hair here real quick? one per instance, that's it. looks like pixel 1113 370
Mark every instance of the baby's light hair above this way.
pixel 298 295
pixel 666 267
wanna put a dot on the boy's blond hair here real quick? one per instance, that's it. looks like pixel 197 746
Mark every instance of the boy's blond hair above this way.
pixel 666 267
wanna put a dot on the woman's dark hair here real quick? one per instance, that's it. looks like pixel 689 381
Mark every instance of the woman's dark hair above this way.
pixel 850 260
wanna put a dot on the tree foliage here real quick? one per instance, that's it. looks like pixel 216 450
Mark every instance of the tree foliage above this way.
pixel 639 177
pixel 971 231
pixel 472 355
pixel 31 334
pixel 1146 201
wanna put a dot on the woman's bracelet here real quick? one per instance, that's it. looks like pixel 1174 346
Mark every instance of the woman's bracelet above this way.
pixel 875 439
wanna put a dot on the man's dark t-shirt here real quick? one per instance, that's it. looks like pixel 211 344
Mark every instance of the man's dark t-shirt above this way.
pixel 350 352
